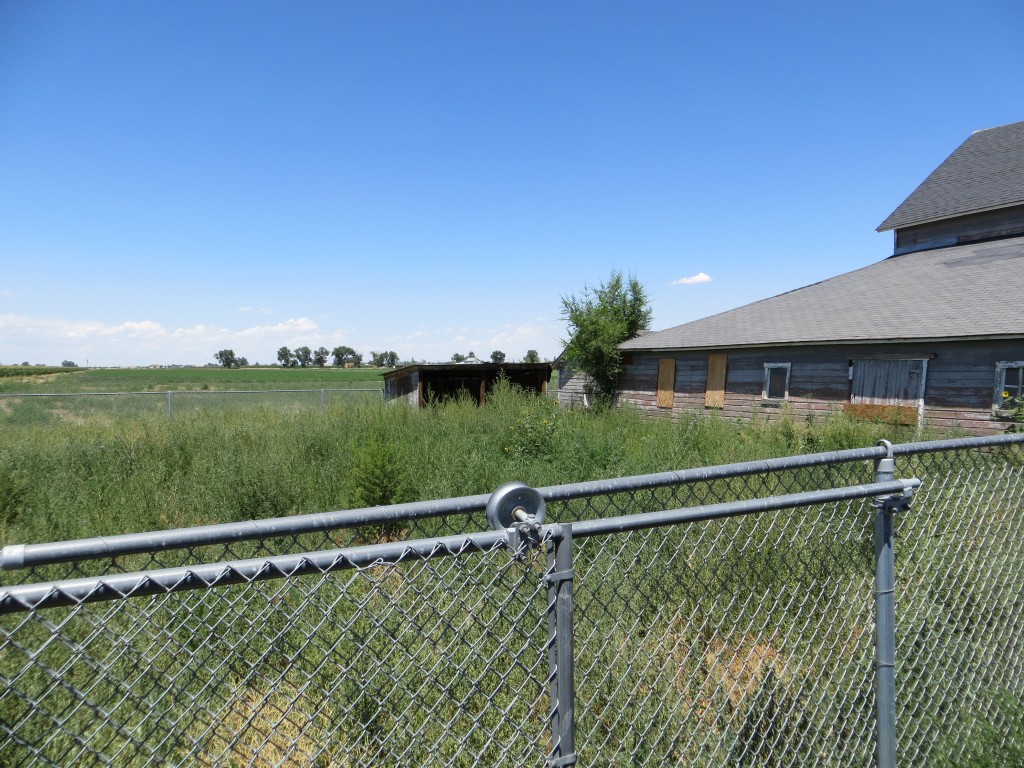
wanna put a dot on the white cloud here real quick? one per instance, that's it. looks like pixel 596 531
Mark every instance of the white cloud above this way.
pixel 142 342
pixel 700 277
pixel 145 342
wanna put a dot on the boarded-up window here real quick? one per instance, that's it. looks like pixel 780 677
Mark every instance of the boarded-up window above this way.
pixel 714 393
pixel 887 389
pixel 666 382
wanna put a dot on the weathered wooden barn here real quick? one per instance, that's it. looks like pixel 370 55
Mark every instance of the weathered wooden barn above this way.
pixel 427 383
pixel 933 333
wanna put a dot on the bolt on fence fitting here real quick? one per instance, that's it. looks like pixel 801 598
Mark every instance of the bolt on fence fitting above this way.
pixel 519 510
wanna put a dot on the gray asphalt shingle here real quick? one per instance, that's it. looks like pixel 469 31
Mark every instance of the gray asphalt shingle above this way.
pixel 984 173
pixel 966 291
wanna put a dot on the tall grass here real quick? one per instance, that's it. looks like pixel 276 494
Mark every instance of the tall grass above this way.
pixel 143 473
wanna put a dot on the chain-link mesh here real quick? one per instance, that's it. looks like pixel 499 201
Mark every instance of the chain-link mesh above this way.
pixel 960 606
pixel 75 408
pixel 743 641
pixel 729 642
pixel 430 662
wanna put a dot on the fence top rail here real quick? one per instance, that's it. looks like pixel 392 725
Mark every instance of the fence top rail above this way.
pixel 958 444
pixel 16 556
pixel 166 392
pixel 70 592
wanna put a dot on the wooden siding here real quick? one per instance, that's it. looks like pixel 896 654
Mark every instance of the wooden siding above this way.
pixel 898 414
pixel 1004 222
pixel 571 387
pixel 958 382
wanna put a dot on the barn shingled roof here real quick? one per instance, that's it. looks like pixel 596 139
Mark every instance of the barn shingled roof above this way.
pixel 962 292
pixel 984 173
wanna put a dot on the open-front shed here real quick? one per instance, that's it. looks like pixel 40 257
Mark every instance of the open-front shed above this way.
pixel 428 383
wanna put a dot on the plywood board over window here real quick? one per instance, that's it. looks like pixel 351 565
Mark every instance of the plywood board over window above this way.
pixel 666 382
pixel 888 389
pixel 714 392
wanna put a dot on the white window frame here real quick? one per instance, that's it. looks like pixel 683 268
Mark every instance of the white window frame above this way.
pixel 764 388
pixel 997 394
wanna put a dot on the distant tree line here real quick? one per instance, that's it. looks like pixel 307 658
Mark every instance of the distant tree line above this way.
pixel 304 357
pixel 346 357
pixel 497 356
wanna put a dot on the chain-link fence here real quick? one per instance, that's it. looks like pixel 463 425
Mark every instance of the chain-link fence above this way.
pixel 45 408
pixel 785 612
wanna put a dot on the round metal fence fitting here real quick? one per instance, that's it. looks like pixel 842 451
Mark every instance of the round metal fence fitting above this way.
pixel 515 502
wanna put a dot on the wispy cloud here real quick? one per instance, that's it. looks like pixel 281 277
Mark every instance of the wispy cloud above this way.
pixel 260 310
pixel 136 342
pixel 700 277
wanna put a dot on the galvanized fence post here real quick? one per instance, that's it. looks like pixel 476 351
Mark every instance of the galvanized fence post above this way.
pixel 885 618
pixel 560 650
pixel 169 416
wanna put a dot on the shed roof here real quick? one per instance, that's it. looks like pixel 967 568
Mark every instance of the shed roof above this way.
pixel 962 292
pixel 463 369
pixel 984 173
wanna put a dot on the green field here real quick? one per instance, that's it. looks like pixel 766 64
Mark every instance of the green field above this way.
pixel 69 380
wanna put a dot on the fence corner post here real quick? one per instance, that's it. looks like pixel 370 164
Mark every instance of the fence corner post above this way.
pixel 885 617
pixel 560 652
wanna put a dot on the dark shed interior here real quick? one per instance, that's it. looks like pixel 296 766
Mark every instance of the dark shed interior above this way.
pixel 423 384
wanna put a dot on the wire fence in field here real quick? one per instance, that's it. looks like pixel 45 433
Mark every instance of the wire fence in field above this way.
pixel 76 408
pixel 812 610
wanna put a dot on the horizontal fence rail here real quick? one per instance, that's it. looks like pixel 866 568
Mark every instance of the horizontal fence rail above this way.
pixel 795 611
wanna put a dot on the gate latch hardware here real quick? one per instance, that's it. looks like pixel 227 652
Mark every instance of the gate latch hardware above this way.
pixel 519 509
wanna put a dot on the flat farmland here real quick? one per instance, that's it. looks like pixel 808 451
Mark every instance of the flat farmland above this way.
pixel 17 379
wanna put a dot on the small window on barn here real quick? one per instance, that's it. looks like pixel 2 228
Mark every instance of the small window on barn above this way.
pixel 1009 385
pixel 776 381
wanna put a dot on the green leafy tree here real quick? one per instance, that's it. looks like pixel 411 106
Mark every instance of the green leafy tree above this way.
pixel 286 358
pixel 384 359
pixel 303 355
pixel 68 364
pixel 598 322
pixel 343 355
pixel 458 357
pixel 320 356
pixel 497 356
pixel 242 362
pixel 226 357
pixel 531 356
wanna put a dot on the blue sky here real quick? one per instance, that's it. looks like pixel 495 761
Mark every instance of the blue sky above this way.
pixel 182 177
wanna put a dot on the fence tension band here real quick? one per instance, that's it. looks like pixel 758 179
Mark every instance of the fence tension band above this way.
pixel 559 762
